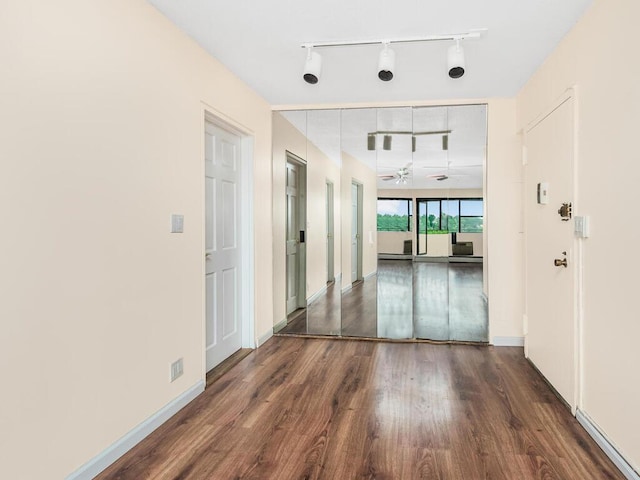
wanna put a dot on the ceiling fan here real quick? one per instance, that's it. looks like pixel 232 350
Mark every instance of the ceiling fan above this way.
pixel 401 175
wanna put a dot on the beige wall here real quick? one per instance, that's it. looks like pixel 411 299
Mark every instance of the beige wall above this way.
pixel 355 170
pixel 597 56
pixel 319 169
pixel 503 222
pixel 101 131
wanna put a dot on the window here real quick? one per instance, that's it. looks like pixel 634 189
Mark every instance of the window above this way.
pixel 394 215
pixel 445 215
pixel 471 216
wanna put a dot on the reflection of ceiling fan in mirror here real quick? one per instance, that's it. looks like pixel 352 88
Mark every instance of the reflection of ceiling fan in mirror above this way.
pixel 445 173
pixel 400 176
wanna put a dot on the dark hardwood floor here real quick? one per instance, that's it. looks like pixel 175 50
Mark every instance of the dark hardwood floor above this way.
pixel 423 300
pixel 325 409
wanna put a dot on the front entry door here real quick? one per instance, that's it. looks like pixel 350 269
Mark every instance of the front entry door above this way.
pixel 222 244
pixel 551 337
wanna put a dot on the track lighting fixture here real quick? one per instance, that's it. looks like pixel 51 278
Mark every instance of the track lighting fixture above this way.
pixel 386 58
pixel 387 138
pixel 371 141
pixel 386 63
pixel 455 60
pixel 312 67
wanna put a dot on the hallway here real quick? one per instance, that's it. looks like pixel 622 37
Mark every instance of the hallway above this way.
pixel 344 409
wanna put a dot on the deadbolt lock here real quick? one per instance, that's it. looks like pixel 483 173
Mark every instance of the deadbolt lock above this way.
pixel 565 211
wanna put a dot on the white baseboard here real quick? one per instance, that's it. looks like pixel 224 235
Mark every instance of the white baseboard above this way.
pixel 267 335
pixel 316 295
pixel 608 448
pixel 101 461
pixel 276 328
pixel 507 341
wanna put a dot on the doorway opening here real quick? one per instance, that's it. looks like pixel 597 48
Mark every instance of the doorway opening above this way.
pixel 356 232
pixel 296 217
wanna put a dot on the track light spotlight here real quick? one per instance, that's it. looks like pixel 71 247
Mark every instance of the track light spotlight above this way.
pixel 371 141
pixel 445 142
pixel 312 67
pixel 386 142
pixel 386 63
pixel 455 60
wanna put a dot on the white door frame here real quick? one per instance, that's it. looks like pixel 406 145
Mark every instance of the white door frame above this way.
pixel 359 229
pixel 247 259
pixel 302 226
pixel 577 261
pixel 330 232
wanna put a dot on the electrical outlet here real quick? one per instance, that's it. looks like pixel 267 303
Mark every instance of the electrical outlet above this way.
pixel 177 369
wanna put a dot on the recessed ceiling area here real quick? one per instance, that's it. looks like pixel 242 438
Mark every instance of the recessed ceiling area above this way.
pixel 261 43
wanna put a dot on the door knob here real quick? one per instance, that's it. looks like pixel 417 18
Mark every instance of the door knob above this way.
pixel 560 263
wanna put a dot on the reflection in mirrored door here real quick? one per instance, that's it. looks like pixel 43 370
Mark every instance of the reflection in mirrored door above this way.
pixel 309 144
pixel 408 220
pixel 396 172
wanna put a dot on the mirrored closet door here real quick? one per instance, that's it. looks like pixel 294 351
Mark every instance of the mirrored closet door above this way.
pixel 379 222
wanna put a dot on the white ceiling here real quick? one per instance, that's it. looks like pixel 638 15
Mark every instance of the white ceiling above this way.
pixel 260 42
pixel 336 131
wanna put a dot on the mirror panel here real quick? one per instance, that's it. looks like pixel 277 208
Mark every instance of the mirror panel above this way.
pixel 358 217
pixel 431 268
pixel 468 318
pixel 307 147
pixel 395 222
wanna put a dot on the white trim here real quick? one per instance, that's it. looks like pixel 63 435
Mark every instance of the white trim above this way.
pixel 370 276
pixel 507 341
pixel 264 337
pixel 247 237
pixel 248 243
pixel 316 295
pixel 279 326
pixel 104 459
pixel 605 444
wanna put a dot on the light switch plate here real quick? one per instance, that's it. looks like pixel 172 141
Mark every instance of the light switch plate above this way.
pixel 177 223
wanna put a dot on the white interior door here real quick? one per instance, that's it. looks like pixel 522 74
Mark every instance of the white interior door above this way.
pixel 222 243
pixel 356 234
pixel 551 336
pixel 330 236
pixel 293 245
